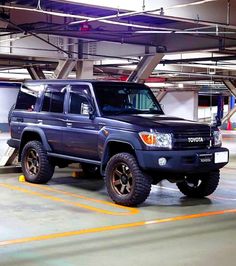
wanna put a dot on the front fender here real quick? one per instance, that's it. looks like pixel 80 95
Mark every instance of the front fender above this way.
pixel 129 140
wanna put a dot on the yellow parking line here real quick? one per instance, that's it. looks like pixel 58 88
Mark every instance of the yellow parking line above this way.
pixel 57 199
pixel 114 227
pixel 48 188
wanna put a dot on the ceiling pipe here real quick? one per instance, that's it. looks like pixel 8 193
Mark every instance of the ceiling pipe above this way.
pixel 118 15
pixel 228 12
pixel 190 74
pixel 183 32
pixel 202 59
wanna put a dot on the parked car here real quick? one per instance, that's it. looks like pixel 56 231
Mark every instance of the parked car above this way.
pixel 117 128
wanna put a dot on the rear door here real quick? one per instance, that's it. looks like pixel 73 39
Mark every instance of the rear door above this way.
pixel 80 134
pixel 51 115
pixel 25 113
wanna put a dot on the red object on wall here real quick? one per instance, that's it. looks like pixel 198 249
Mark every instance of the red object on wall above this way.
pixel 155 79
pixel 85 27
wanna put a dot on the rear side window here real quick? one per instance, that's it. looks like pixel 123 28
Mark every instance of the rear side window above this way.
pixel 27 97
pixel 53 100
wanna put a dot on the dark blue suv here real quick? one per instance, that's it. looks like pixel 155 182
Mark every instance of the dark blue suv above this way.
pixel 117 130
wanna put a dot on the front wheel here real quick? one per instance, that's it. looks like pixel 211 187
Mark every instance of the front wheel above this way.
pixel 36 166
pixel 126 183
pixel 200 186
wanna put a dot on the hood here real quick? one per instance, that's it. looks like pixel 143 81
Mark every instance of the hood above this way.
pixel 160 122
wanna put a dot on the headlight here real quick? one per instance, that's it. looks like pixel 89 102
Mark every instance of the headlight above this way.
pixel 157 139
pixel 217 138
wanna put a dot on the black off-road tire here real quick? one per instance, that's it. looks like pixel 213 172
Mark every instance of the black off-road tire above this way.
pixel 208 183
pixel 123 167
pixel 36 166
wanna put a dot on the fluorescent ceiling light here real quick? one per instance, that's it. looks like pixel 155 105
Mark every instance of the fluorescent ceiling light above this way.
pixel 158 84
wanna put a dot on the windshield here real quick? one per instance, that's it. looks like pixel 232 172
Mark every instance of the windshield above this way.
pixel 115 99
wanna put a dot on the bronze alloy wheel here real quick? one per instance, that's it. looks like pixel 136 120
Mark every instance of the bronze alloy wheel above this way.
pixel 126 183
pixel 32 162
pixel 36 165
pixel 122 179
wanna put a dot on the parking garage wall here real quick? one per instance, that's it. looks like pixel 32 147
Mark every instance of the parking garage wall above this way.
pixel 182 104
pixel 8 94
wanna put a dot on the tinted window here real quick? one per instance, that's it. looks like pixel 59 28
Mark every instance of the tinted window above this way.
pixel 27 97
pixel 78 104
pixel 126 98
pixel 53 101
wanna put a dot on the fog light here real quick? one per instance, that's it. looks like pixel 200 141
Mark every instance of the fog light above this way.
pixel 162 161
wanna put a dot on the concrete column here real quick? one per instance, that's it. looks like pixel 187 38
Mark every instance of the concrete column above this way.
pixel 84 69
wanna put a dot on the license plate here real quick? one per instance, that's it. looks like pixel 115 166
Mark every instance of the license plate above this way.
pixel 205 158
pixel 221 157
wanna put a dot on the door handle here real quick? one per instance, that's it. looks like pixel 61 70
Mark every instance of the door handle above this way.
pixel 40 121
pixel 69 124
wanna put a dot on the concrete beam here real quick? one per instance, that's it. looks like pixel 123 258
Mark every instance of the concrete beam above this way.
pixel 145 67
pixel 231 85
pixel 35 72
pixel 64 68
pixel 161 95
pixel 230 113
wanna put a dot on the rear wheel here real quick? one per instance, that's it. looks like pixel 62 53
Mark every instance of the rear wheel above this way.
pixel 200 186
pixel 36 166
pixel 126 183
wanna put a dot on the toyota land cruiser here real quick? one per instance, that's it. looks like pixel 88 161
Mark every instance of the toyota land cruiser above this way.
pixel 117 130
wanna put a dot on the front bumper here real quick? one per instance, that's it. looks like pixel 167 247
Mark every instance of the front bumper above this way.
pixel 182 161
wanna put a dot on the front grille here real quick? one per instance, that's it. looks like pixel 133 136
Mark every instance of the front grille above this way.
pixel 192 139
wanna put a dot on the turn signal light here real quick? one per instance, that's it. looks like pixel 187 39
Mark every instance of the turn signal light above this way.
pixel 157 139
pixel 148 138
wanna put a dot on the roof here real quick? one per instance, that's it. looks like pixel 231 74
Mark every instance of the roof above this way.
pixel 76 81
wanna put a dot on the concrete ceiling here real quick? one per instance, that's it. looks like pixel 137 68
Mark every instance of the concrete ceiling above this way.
pixel 31 33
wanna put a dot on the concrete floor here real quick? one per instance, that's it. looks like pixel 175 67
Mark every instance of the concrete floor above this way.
pixel 71 221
